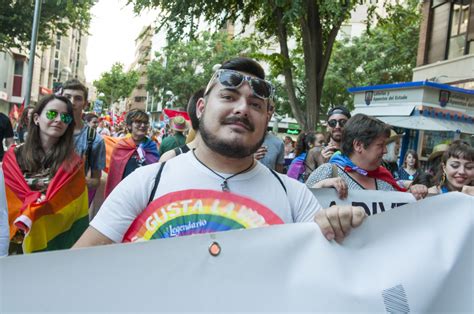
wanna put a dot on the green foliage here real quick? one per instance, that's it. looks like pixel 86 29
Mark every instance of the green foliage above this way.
pixel 16 20
pixel 184 66
pixel 116 83
pixel 386 54
pixel 378 57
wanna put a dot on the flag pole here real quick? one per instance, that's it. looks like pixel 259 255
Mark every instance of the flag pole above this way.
pixel 34 36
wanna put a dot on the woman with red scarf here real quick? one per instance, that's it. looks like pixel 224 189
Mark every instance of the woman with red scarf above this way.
pixel 358 166
pixel 134 151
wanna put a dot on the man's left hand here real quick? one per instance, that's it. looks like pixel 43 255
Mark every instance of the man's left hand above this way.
pixel 336 221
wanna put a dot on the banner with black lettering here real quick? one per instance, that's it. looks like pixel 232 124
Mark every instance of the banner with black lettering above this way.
pixel 373 202
pixel 415 258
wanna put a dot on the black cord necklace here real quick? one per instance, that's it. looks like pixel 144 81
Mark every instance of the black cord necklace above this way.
pixel 224 185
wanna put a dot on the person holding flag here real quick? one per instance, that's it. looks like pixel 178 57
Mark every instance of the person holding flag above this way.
pixel 133 151
pixel 44 181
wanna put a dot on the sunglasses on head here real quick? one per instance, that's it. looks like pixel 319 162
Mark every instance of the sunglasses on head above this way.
pixel 229 78
pixel 333 122
pixel 65 117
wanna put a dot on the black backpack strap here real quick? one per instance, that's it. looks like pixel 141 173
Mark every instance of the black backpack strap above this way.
pixel 91 134
pixel 185 149
pixel 279 179
pixel 155 185
pixel 177 151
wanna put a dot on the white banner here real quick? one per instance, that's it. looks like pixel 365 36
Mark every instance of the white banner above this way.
pixel 416 258
pixel 373 202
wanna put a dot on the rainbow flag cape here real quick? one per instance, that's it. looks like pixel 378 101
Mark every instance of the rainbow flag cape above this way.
pixel 122 153
pixel 198 211
pixel 110 143
pixel 58 221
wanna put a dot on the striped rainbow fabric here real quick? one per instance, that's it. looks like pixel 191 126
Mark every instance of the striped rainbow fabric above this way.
pixel 55 223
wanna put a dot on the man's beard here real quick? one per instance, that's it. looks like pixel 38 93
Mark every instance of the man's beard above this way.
pixel 228 148
pixel 337 140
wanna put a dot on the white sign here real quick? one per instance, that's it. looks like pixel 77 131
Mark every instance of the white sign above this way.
pixel 373 202
pixel 417 258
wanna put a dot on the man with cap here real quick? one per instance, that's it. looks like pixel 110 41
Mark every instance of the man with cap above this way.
pixel 178 127
pixel 207 188
pixel 337 118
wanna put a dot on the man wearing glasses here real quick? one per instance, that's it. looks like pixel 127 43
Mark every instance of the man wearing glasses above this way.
pixel 337 118
pixel 218 185
pixel 89 145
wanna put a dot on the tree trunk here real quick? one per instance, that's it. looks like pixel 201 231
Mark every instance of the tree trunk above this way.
pixel 287 72
pixel 317 53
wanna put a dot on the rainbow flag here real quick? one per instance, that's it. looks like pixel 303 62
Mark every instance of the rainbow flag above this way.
pixel 110 143
pixel 54 223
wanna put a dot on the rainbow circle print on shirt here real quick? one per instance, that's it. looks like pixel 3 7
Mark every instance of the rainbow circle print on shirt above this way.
pixel 198 211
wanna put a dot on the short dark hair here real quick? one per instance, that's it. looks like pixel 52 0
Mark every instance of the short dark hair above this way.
pixel 457 149
pixel 75 84
pixel 364 129
pixel 136 115
pixel 88 117
pixel 191 109
pixel 243 64
pixel 339 110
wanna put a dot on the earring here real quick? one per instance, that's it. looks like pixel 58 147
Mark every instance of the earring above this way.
pixel 443 179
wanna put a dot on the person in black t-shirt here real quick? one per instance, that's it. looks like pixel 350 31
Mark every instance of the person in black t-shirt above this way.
pixel 6 133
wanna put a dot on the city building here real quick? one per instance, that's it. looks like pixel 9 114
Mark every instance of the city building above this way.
pixel 446 45
pixel 143 44
pixel 54 64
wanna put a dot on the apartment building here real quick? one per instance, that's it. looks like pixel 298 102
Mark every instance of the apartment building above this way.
pixel 53 64
pixel 446 46
pixel 143 52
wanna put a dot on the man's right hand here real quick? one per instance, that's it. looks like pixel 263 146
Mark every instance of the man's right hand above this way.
pixel 327 152
pixel 336 221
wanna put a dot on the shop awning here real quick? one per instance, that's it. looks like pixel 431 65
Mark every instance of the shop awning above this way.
pixel 428 123
pixel 382 111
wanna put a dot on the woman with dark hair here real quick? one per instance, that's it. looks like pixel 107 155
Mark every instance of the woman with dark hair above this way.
pixel 298 166
pixel 358 165
pixel 411 166
pixel 22 127
pixel 45 184
pixel 456 172
pixel 133 151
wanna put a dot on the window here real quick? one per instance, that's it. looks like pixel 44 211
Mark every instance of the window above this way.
pixel 457 36
pixel 18 67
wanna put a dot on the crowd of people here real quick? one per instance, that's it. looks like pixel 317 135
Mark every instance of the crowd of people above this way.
pixel 55 171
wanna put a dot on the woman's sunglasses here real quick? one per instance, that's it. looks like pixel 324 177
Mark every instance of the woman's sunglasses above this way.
pixel 333 122
pixel 233 79
pixel 65 117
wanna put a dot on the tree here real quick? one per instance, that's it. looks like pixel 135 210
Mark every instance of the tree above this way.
pixel 314 22
pixel 57 16
pixel 385 54
pixel 116 83
pixel 184 66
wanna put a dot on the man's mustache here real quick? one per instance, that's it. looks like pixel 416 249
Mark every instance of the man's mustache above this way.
pixel 245 121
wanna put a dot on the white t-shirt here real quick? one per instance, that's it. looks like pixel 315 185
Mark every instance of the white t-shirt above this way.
pixel 184 172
